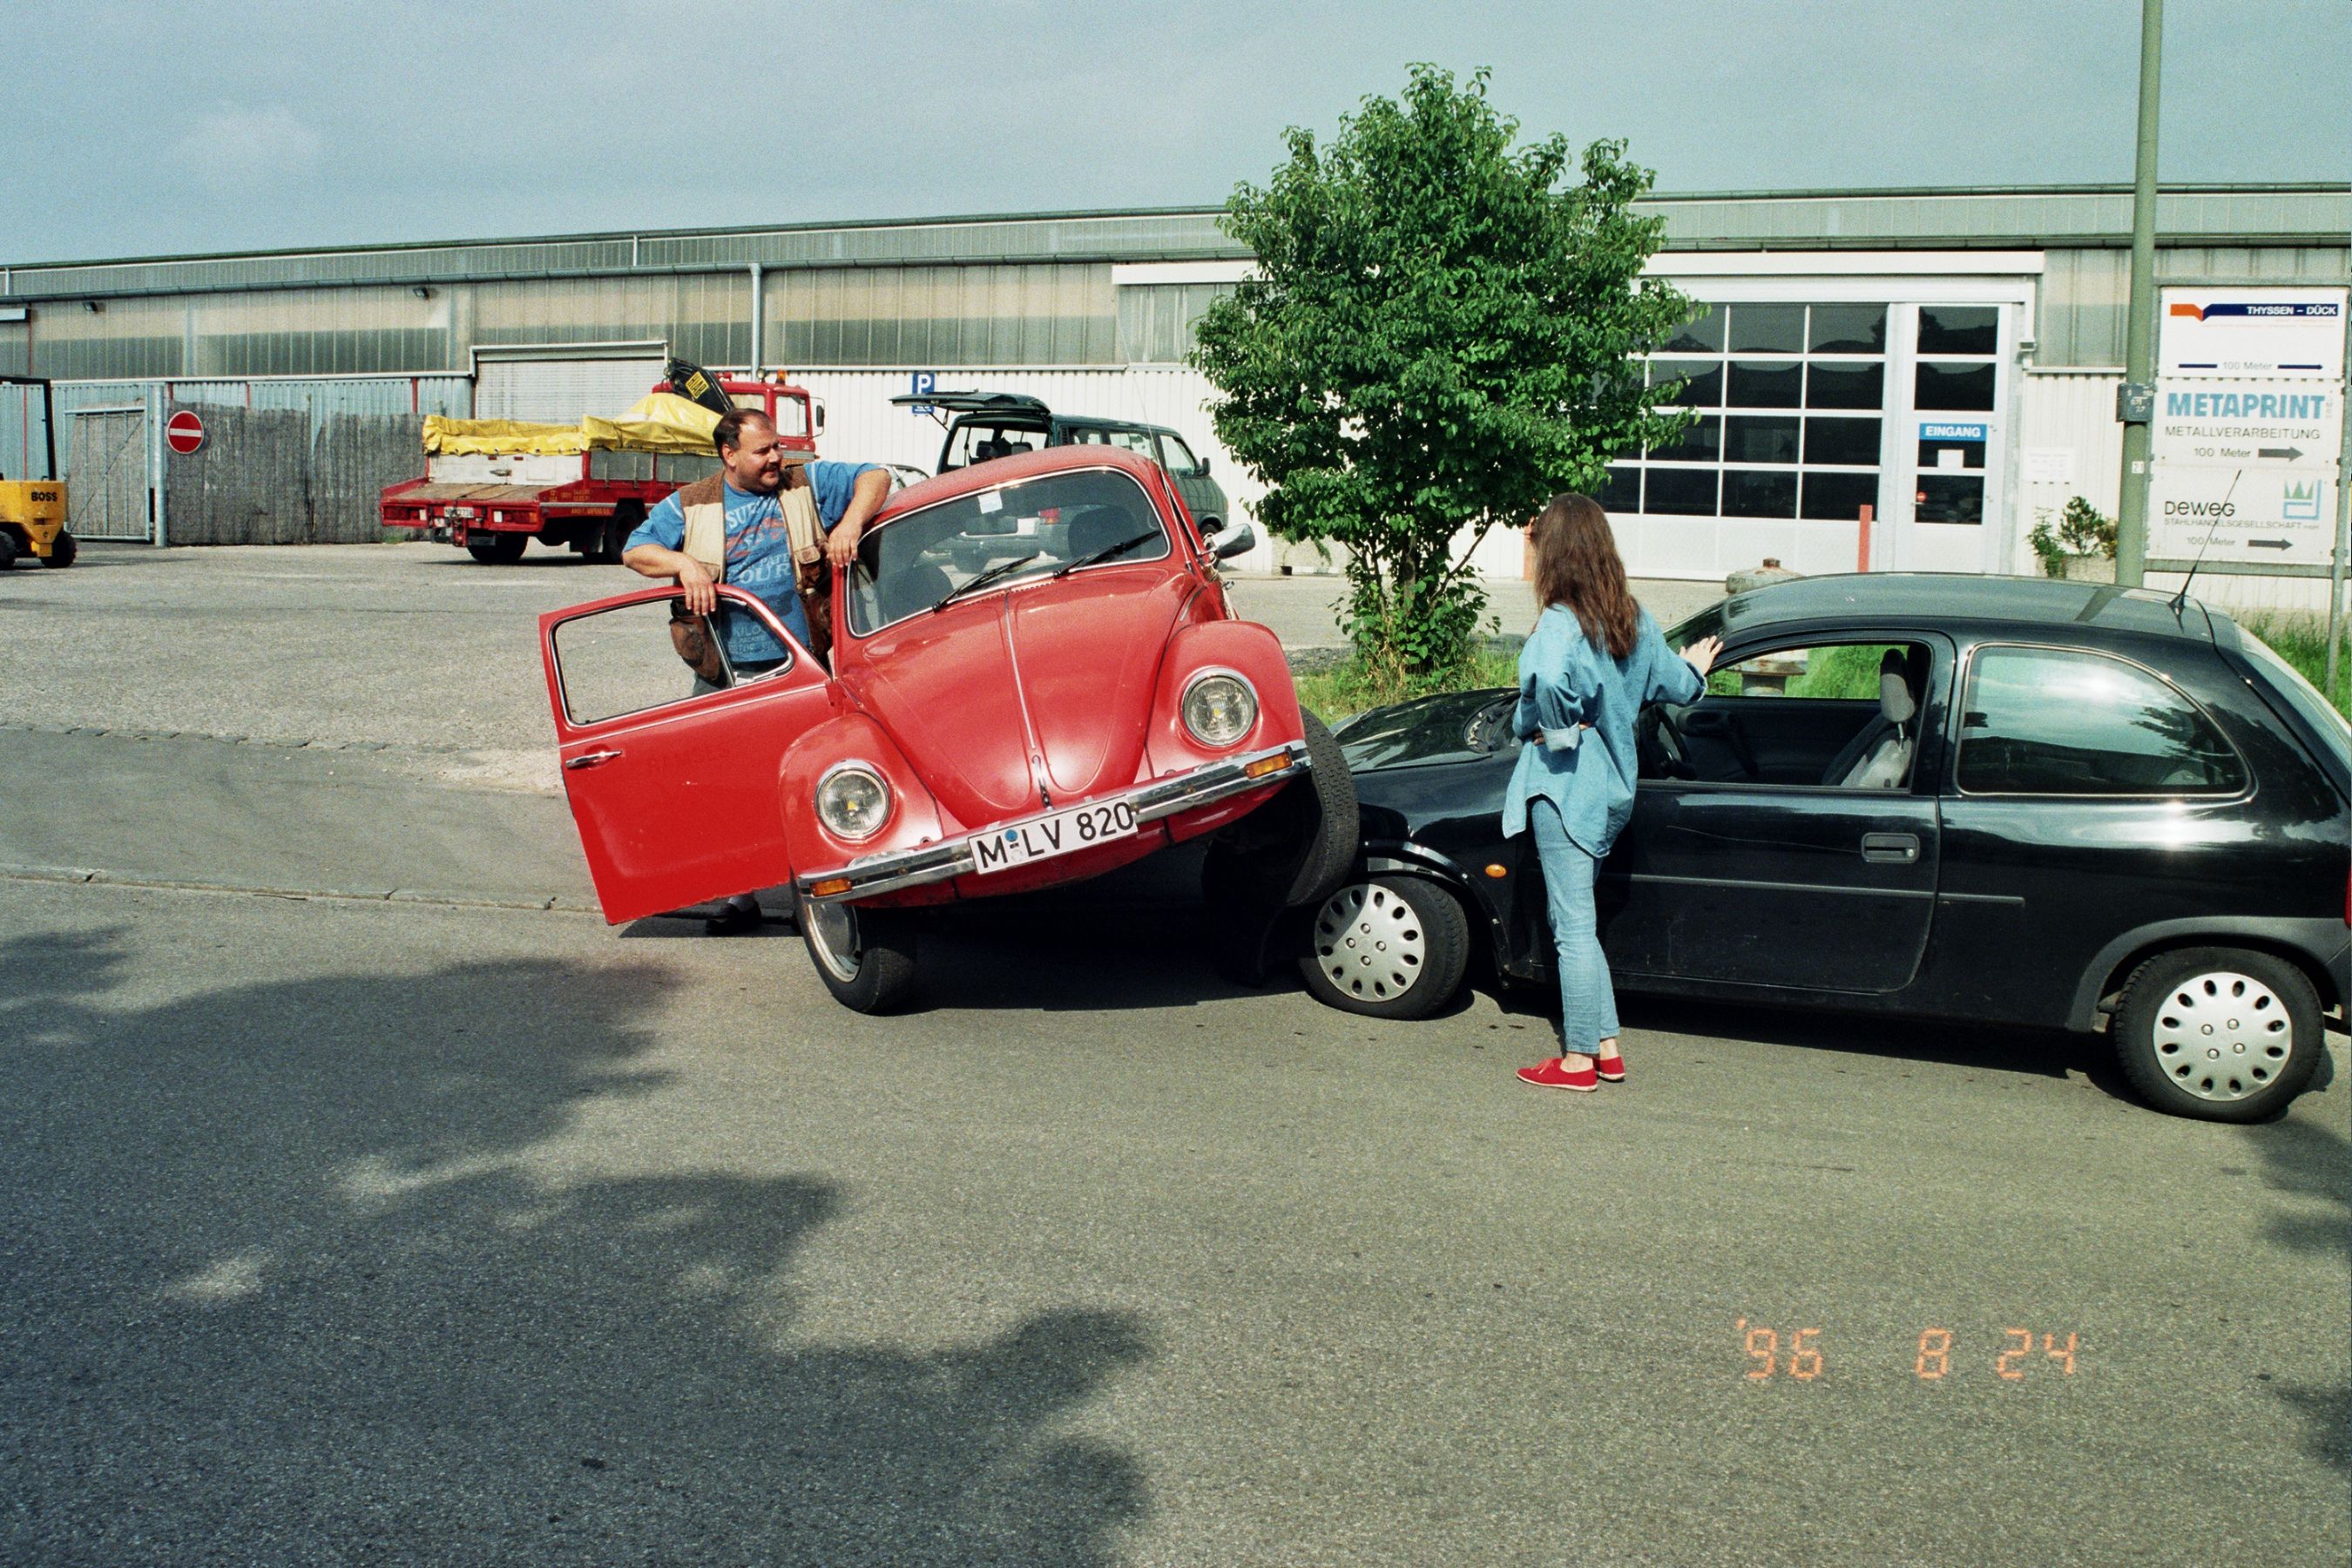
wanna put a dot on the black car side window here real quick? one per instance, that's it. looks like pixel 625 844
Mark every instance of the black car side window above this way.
pixel 2044 721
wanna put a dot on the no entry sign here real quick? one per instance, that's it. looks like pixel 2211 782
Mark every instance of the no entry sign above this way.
pixel 183 432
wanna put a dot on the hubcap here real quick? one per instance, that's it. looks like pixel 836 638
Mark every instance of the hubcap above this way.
pixel 832 932
pixel 1369 942
pixel 2222 1035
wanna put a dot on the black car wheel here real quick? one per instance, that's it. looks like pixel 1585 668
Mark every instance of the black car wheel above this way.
pixel 62 550
pixel 498 548
pixel 1389 947
pixel 2221 1034
pixel 1295 849
pixel 8 549
pixel 866 957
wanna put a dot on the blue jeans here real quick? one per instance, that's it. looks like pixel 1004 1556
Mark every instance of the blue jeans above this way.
pixel 1587 1005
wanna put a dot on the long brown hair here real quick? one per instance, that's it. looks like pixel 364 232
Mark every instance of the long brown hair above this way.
pixel 1578 566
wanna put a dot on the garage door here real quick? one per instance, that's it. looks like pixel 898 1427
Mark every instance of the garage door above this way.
pixel 559 391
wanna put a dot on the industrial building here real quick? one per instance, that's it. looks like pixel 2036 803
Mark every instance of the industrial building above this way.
pixel 1944 362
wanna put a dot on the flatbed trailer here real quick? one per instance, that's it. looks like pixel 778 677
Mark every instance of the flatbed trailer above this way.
pixel 494 504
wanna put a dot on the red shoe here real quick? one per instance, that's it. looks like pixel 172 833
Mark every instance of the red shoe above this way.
pixel 1553 1075
pixel 1612 1069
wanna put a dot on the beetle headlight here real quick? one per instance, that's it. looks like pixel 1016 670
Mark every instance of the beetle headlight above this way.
pixel 853 802
pixel 1220 709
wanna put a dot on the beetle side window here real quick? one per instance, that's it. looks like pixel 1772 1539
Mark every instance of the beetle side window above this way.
pixel 633 657
pixel 2038 720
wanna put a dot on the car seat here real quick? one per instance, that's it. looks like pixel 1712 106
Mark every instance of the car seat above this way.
pixel 1879 756
pixel 913 588
pixel 1097 528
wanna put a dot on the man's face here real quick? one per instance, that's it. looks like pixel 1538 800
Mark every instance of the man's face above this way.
pixel 756 467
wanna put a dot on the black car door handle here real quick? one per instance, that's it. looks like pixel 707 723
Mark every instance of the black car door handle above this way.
pixel 1890 849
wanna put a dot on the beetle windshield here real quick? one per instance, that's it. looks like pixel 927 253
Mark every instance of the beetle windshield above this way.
pixel 1010 534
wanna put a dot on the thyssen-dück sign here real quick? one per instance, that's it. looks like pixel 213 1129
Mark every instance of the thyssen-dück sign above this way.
pixel 2274 513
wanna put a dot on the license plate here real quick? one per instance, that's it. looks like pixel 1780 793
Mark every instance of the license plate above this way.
pixel 1063 833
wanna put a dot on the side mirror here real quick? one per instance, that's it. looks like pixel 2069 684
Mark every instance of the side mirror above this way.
pixel 820 414
pixel 1199 462
pixel 1238 541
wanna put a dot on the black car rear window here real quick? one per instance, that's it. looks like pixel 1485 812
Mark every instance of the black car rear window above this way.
pixel 2045 720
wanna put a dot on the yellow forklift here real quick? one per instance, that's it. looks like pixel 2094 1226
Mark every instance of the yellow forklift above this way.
pixel 33 512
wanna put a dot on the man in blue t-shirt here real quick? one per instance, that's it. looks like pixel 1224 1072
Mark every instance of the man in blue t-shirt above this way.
pixel 759 555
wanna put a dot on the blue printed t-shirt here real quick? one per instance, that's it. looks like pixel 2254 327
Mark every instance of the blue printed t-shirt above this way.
pixel 759 553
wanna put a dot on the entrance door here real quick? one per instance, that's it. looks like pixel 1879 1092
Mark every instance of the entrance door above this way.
pixel 1949 442
pixel 106 475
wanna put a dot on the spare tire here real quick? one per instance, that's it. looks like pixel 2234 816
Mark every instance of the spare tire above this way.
pixel 1298 847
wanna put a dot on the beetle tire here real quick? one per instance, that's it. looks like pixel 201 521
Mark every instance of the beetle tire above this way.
pixel 1387 947
pixel 1296 848
pixel 2244 997
pixel 876 973
pixel 62 550
pixel 499 549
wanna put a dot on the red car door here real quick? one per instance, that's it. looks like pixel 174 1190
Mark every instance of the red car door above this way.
pixel 674 792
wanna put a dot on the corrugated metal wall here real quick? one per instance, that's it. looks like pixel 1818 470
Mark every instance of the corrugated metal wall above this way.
pixel 2083 292
pixel 350 417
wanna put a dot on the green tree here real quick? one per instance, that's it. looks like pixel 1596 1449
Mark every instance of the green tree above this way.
pixel 1439 334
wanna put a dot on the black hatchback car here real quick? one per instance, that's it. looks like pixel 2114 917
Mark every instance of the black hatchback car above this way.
pixel 1999 799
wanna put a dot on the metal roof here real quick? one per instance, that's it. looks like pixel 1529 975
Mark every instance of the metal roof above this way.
pixel 1950 218
pixel 1944 598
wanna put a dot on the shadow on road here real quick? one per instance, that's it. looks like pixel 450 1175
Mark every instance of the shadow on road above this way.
pixel 2312 1166
pixel 282 1279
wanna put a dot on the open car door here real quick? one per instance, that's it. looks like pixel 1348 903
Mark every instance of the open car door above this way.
pixel 673 785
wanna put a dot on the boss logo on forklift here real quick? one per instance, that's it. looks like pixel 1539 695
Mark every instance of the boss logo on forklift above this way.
pixel 44 495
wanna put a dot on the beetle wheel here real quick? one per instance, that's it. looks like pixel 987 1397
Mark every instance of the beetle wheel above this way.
pixel 866 957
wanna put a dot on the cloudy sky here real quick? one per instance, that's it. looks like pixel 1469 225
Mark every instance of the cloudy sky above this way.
pixel 156 127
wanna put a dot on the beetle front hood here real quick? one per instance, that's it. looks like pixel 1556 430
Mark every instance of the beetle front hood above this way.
pixel 1042 692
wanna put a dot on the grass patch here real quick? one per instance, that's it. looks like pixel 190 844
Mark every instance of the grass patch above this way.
pixel 2302 641
pixel 1349 687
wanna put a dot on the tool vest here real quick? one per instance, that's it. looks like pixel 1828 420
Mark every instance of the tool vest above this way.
pixel 704 504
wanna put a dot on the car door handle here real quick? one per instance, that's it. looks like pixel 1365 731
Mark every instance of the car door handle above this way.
pixel 1890 849
pixel 589 759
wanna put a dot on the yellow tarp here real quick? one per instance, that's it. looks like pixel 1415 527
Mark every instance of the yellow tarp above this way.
pixel 500 437
pixel 660 422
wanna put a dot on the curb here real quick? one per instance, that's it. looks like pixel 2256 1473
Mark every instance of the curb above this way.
pixel 560 903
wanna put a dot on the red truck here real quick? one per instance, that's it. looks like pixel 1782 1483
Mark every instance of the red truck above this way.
pixel 495 503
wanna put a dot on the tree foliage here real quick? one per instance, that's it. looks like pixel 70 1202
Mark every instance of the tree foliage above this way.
pixel 1439 334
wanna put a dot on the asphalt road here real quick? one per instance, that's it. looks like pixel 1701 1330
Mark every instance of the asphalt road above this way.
pixel 450 1228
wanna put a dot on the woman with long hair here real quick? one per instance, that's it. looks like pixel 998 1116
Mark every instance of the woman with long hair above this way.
pixel 1593 662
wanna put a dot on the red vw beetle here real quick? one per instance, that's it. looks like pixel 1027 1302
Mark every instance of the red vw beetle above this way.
pixel 1035 678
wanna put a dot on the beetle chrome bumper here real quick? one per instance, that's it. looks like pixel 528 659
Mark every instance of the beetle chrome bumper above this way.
pixel 894 869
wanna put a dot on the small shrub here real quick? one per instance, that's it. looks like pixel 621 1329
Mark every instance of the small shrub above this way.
pixel 2080 529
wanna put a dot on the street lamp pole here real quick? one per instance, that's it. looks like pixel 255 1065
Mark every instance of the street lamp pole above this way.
pixel 2139 329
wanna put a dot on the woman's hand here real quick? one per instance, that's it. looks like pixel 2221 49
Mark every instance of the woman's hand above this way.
pixel 1701 654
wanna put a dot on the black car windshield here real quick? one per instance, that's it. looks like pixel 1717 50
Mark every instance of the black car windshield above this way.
pixel 1016 531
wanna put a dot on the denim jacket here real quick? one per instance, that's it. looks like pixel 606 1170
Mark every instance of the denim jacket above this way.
pixel 1575 711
